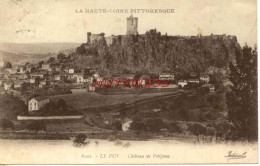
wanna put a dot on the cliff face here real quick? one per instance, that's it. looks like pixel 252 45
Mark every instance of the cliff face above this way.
pixel 153 53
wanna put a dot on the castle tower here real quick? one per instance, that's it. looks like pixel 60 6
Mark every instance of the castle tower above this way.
pixel 132 24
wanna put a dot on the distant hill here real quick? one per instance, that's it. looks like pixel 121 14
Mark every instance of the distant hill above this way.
pixel 20 53
pixel 37 48
pixel 21 58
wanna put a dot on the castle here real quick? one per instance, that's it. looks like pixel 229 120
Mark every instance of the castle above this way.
pixel 132 25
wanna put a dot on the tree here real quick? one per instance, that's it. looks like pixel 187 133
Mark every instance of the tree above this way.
pixel 51 59
pixel 137 125
pixel 61 56
pixel 155 125
pixel 40 64
pixel 8 65
pixel 37 80
pixel 117 125
pixel 25 86
pixel 242 100
pixel 62 105
pixel 174 128
pixel 197 130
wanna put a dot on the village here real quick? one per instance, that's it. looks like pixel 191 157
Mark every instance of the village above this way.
pixel 53 90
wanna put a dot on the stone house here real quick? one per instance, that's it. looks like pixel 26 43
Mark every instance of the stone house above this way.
pixel 46 66
pixel 166 76
pixel 182 83
pixel 204 78
pixel 36 103
pixel 8 85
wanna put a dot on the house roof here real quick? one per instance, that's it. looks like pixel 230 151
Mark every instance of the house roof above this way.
pixel 8 83
pixel 39 98
pixel 204 75
pixel 165 73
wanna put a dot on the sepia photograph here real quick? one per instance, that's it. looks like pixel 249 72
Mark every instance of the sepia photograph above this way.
pixel 128 82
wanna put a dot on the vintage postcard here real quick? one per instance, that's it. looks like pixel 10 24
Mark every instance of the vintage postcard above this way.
pixel 128 82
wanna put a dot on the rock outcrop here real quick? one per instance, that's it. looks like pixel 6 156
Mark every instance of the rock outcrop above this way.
pixel 153 53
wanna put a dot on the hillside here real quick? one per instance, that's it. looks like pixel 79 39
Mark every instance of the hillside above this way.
pixel 153 53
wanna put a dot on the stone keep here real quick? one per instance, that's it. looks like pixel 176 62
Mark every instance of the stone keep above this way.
pixel 132 23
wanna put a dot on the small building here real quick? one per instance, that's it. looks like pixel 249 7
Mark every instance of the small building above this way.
pixel 80 78
pixel 57 68
pixel 32 80
pixel 14 76
pixel 21 69
pixel 211 87
pixel 126 122
pixel 166 76
pixel 57 77
pixel 91 88
pixel 8 85
pixel 46 66
pixel 29 67
pixel 38 74
pixel 194 80
pixel 18 84
pixel 96 75
pixel 193 75
pixel 42 83
pixel 23 76
pixel 204 78
pixel 128 76
pixel 71 71
pixel 182 83
pixel 11 70
pixel 143 79
pixel 36 103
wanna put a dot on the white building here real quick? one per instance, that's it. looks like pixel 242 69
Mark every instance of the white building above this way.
pixel 46 66
pixel 37 103
pixel 166 76
pixel 204 78
pixel 80 79
pixel 211 87
pixel 8 85
pixel 57 77
pixel 126 124
pixel 32 80
pixel 182 83
pixel 91 88
pixel 71 71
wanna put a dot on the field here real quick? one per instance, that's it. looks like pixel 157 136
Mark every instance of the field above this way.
pixel 89 100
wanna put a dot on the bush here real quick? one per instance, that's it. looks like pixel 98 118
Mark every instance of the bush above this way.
pixel 80 140
pixel 37 126
pixel 197 130
pixel 117 125
pixel 6 123
pixel 155 125
pixel 174 128
pixel 111 138
pixel 118 142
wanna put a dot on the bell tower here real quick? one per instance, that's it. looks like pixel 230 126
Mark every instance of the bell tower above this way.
pixel 132 24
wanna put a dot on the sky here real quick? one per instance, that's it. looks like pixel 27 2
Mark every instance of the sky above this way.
pixel 56 20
